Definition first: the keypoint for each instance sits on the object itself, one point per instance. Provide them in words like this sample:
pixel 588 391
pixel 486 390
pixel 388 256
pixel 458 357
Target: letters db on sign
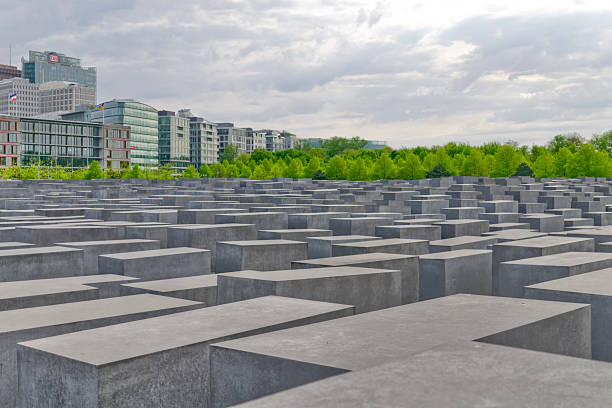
pixel 53 58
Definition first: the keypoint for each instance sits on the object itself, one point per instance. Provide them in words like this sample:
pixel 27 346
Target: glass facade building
pixel 50 66
pixel 143 122
pixel 173 140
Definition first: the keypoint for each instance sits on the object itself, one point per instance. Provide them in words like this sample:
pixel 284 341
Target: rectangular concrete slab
pixel 391 245
pixel 321 247
pixel 260 255
pixel 260 365
pixel 200 288
pixel 594 288
pixel 165 359
pixel 408 265
pixel 365 288
pixel 490 375
pixel 38 322
pixel 40 263
pixel 157 263
pixel 514 275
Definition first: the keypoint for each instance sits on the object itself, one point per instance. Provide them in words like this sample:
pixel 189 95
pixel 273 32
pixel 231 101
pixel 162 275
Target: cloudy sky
pixel 408 72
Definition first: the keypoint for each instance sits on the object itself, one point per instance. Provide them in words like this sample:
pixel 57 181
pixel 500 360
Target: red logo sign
pixel 53 58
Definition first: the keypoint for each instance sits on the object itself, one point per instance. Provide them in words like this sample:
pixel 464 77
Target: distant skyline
pixel 408 72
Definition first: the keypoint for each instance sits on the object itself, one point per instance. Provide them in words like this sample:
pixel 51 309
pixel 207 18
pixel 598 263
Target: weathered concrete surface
pixel 481 375
pixel 260 255
pixel 200 288
pixel 260 365
pixel 153 362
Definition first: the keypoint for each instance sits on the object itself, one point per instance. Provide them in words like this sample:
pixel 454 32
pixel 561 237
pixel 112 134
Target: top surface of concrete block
pixel 78 244
pixel 563 259
pixel 22 319
pixel 596 283
pixel 130 340
pixel 10 290
pixel 154 253
pixel 460 253
pixel 175 284
pixel 380 242
pixel 402 331
pixel 346 237
pixel 542 242
pixel 354 259
pixel 262 242
pixel 301 274
pixel 37 251
pixel 481 375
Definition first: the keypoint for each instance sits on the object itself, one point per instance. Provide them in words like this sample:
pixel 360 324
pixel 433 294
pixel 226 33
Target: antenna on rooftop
pixel 10 54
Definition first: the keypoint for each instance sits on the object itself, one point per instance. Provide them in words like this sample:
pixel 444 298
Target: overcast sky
pixel 408 72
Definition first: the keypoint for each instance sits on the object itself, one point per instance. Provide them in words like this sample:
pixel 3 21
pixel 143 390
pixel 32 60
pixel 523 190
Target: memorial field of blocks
pixel 451 292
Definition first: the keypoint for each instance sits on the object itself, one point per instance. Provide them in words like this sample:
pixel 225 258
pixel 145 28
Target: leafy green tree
pixel 523 169
pixel 276 171
pixel 544 166
pixel 94 171
pixel 474 164
pixel 507 159
pixel 134 172
pixel 230 153
pixel 603 142
pixel 589 162
pixel 410 168
pixel 357 170
pixel 295 169
pixel 319 175
pixel 245 172
pixel 190 172
pixel 562 161
pixel 260 155
pixel 313 166
pixel 336 168
pixel 260 173
pixel 384 168
pixel 437 172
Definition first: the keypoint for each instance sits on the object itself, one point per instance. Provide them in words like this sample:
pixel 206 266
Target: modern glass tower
pixel 52 66
pixel 141 118
pixel 173 140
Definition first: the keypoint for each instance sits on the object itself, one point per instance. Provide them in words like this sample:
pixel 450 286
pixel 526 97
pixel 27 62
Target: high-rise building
pixel 69 144
pixel 229 134
pixel 19 97
pixel 9 71
pixel 203 140
pixel 141 118
pixel 256 140
pixel 62 96
pixel 9 141
pixel 52 66
pixel 174 137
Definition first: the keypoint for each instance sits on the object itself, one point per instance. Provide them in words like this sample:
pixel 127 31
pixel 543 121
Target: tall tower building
pixel 19 97
pixel 173 140
pixel 51 66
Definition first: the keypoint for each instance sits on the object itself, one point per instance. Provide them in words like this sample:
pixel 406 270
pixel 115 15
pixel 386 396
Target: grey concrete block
pixel 529 378
pixel 207 236
pixel 293 234
pixel 49 234
pixel 514 275
pixel 459 228
pixel 91 250
pixel 260 255
pixel 164 358
pixel 38 322
pixel 408 265
pixel 157 263
pixel 40 263
pixel 461 271
pixel 357 226
pixel 464 242
pixel 260 365
pixel 314 220
pixel 199 288
pixel 426 232
pixel 262 220
pixel 592 288
pixel 391 246
pixel 321 247
pixel 367 289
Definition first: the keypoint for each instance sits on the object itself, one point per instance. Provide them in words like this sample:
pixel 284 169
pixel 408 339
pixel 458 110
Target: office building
pixel 9 141
pixel 256 140
pixel 288 140
pixel 174 140
pixel 203 139
pixel 9 71
pixel 229 134
pixel 19 97
pixel 25 141
pixel 50 66
pixel 62 96
pixel 142 120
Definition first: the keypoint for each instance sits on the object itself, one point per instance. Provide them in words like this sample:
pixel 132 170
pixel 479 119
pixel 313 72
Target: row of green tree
pixel 567 155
